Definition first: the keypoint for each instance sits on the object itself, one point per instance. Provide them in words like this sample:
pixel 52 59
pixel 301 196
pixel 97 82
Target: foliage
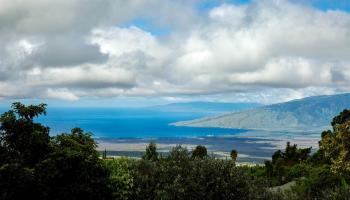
pixel 17 182
pixel 234 155
pixel 199 152
pixel 299 170
pixel 339 193
pixel 319 179
pixel 73 170
pixel 35 166
pixel 121 179
pixel 179 154
pixel 342 118
pixel 21 139
pixel 321 175
pixel 336 146
pixel 292 155
pixel 285 166
pixel 151 152
pixel 180 177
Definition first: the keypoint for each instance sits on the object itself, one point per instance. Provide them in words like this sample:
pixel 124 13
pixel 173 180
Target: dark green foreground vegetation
pixel 34 165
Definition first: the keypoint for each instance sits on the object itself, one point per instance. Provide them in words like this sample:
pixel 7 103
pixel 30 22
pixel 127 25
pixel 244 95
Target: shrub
pixel 121 180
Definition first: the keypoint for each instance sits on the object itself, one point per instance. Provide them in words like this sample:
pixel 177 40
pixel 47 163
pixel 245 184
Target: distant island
pixel 307 114
pixel 206 107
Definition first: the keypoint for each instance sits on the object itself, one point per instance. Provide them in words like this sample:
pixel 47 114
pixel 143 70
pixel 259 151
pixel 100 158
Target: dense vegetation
pixel 34 165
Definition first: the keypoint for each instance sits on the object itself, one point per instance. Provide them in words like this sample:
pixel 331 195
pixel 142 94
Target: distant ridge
pixel 307 114
pixel 209 107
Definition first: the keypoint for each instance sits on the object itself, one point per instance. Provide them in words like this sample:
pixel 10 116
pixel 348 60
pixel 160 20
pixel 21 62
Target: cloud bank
pixel 262 51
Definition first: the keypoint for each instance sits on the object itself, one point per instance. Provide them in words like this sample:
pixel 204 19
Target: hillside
pixel 207 107
pixel 311 113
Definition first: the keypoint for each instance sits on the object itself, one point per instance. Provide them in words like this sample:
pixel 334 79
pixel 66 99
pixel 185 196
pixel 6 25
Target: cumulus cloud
pixel 61 94
pixel 73 49
pixel 83 77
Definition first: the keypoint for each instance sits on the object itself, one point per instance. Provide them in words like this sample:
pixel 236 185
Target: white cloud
pixel 72 49
pixel 82 77
pixel 63 94
pixel 289 73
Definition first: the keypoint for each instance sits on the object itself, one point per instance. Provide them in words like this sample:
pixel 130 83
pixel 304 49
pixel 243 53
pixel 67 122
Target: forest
pixel 35 165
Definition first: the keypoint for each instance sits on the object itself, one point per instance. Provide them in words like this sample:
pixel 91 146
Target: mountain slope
pixel 312 113
pixel 208 107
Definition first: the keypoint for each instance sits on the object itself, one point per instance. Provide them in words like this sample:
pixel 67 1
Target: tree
pixel 121 179
pixel 234 155
pixel 151 152
pixel 18 182
pixel 104 154
pixel 335 145
pixel 179 153
pixel 23 144
pixel 36 166
pixel 291 155
pixel 343 117
pixel 199 152
pixel 21 138
pixel 278 154
pixel 180 177
pixel 74 170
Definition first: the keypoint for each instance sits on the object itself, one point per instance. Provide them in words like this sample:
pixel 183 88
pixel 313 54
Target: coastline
pixel 253 147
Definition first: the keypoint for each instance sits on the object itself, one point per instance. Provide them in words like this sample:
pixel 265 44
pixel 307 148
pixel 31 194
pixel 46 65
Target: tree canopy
pixel 199 152
pixel 335 145
pixel 34 165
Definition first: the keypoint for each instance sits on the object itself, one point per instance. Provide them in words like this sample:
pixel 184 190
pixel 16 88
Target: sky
pixel 129 53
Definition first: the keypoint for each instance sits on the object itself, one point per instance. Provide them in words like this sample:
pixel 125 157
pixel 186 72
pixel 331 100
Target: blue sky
pixel 343 5
pixel 132 53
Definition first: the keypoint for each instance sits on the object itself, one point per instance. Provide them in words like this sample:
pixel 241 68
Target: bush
pixel 298 171
pixel 121 180
pixel 179 177
pixel 342 193
pixel 17 182
pixel 319 180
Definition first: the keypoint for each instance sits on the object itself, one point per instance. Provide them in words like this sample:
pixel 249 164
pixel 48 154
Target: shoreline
pixel 252 146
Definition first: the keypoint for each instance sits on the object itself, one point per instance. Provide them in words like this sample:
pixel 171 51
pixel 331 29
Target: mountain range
pixel 307 114
pixel 206 107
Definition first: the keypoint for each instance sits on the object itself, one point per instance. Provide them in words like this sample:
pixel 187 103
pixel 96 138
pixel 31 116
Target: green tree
pixel 178 176
pixel 74 170
pixel 22 140
pixel 343 117
pixel 199 152
pixel 151 152
pixel 18 182
pixel 179 153
pixel 335 145
pixel 121 180
pixel 234 155
pixel 35 166
pixel 23 144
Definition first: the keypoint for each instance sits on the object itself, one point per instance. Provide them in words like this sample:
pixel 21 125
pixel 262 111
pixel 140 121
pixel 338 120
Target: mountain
pixel 206 107
pixel 311 113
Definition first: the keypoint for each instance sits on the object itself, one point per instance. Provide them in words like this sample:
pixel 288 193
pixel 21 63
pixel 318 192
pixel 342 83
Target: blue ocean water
pixel 127 123
pixel 139 126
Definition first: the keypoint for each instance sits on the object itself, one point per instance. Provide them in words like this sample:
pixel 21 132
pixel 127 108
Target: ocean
pixel 127 123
